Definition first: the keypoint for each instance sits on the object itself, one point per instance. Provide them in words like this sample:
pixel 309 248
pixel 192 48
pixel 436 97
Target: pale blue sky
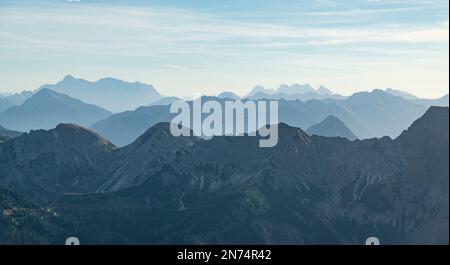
pixel 207 46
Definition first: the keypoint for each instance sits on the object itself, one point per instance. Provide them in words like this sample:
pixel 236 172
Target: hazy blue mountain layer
pixel 367 115
pixel 293 92
pixel 46 108
pixel 19 98
pixel 109 93
pixel 331 127
pixel 5 104
pixel 442 101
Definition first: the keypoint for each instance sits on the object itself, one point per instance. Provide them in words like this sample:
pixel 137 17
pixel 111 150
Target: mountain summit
pixel 331 126
pixel 47 108
pixel 295 89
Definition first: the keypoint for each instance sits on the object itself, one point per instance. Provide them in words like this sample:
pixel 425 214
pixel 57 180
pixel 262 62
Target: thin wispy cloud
pixel 184 37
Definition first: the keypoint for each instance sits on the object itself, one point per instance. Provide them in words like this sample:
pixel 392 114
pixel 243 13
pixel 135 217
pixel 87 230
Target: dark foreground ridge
pixel 226 190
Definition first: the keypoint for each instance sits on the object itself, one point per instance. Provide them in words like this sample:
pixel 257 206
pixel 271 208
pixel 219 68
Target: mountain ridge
pixel 44 163
pixel 317 190
pixel 305 190
pixel 388 116
pixel 109 93
pixel 47 108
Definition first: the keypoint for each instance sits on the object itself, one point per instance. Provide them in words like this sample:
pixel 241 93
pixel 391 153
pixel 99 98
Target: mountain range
pixel 388 116
pixel 292 92
pixel 47 108
pixel 226 190
pixel 301 106
pixel 389 111
pixel 109 93
pixel 123 178
pixel 10 100
pixel 124 128
pixel 307 92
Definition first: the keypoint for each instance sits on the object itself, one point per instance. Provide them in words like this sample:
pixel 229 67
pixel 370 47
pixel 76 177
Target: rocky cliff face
pixel 306 190
pixel 367 115
pixel 425 147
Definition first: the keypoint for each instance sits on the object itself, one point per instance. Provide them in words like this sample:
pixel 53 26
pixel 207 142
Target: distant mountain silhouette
pixel 442 101
pixel 19 98
pixel 324 91
pixel 366 114
pixel 331 127
pixel 46 109
pixel 24 223
pixel 123 128
pixel 293 92
pixel 228 95
pixel 302 97
pixel 260 89
pixel 401 93
pixel 381 113
pixel 276 96
pixel 295 89
pixel 112 94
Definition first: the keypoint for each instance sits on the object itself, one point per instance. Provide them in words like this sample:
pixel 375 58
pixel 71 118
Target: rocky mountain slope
pixel 185 190
pixel 42 164
pixel 306 190
pixel 8 133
